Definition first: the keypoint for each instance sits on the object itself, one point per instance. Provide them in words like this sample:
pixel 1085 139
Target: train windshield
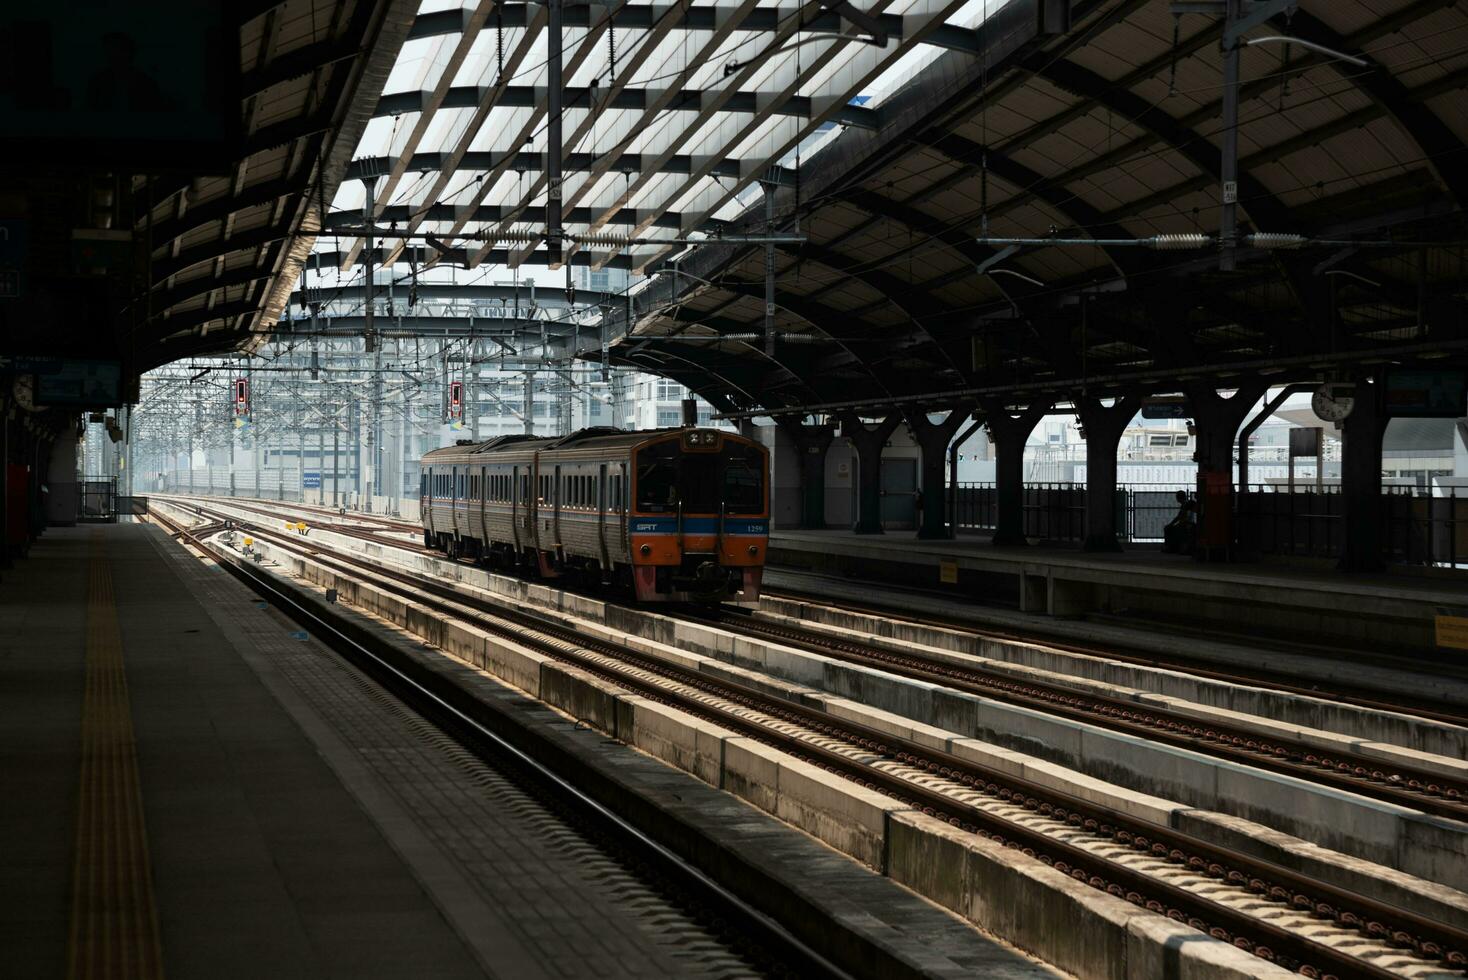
pixel 700 482
pixel 744 480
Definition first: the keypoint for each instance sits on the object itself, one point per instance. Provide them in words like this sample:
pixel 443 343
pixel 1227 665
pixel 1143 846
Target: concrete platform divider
pixel 1077 928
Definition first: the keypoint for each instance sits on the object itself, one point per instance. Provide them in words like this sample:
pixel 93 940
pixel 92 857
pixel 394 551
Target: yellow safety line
pixel 114 920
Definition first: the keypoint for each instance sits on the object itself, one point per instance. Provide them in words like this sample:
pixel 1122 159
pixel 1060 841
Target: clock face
pixel 1332 404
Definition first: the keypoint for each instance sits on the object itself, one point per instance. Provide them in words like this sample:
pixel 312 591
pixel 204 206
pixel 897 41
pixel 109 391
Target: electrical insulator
pixel 1177 243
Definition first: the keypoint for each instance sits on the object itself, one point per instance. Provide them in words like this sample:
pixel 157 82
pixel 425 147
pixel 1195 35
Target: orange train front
pixel 674 515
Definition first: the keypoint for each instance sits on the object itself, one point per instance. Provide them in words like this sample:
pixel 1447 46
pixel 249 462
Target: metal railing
pixel 96 501
pixel 1420 525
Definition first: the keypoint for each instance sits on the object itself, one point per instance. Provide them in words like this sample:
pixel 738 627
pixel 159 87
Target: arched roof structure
pixel 1100 125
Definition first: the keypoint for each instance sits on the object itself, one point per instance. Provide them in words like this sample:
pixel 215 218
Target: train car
pixel 675 515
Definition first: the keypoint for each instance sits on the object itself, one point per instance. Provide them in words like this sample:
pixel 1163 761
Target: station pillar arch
pixel 868 443
pixel 1216 420
pixel 1010 429
pixel 1103 425
pixel 933 439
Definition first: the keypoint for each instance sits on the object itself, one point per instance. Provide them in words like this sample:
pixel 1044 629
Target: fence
pixel 1416 528
pixel 1419 526
pixel 96 501
pixel 1057 511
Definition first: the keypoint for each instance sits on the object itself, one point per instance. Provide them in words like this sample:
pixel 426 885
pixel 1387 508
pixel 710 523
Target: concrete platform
pixel 1393 612
pixel 194 789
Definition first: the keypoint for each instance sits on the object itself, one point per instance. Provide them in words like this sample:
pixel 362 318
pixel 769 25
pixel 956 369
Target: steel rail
pixel 1405 786
pixel 1378 921
pixel 1274 680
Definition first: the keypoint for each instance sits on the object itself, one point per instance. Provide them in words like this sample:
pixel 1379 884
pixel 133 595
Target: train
pixel 672 515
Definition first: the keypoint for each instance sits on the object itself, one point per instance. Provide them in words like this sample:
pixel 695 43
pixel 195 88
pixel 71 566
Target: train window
pixel 657 479
pixel 744 480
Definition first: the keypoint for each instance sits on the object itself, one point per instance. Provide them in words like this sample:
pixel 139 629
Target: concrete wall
pixel 61 480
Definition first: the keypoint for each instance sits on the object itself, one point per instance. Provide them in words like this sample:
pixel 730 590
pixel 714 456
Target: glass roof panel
pixel 724 101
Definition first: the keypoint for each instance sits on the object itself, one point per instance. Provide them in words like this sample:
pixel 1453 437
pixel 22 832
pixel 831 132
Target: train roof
pixel 596 437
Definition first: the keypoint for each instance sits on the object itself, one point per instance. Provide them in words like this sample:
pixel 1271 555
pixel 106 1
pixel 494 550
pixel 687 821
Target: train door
pixel 624 494
pixel 454 498
pixel 601 520
pixel 483 495
pixel 539 506
pixel 517 506
pixel 556 541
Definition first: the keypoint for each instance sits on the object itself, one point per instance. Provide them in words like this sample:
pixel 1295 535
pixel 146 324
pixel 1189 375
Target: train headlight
pixel 646 550
pixel 753 550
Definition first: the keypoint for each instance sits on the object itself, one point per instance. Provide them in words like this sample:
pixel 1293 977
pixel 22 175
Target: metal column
pixel 369 213
pixel 554 94
pixel 770 269
pixel 530 403
pixel 1228 232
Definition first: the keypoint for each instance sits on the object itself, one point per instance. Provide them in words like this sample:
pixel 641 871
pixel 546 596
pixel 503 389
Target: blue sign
pixel 311 481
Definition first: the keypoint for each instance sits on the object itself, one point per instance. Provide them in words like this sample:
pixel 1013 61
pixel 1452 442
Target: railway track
pixel 1288 918
pixel 366 529
pixel 1271 680
pixel 1428 792
pixel 1421 790
pixel 758 939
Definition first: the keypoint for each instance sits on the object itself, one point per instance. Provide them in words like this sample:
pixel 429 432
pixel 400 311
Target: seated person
pixel 1177 536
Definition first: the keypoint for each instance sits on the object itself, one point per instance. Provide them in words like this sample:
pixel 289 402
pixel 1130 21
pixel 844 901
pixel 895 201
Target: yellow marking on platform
pixel 114 919
pixel 1452 631
pixel 948 572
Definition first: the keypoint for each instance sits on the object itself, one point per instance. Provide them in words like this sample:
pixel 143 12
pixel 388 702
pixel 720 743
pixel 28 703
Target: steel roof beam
pixel 626 99
pixel 732 19
pixel 637 16
pixel 1202 116
pixel 823 318
pixel 218 247
pixel 1304 141
pixel 429 101
pixel 451 161
pixel 1266 210
pixel 481 160
pixel 707 350
pixel 459 256
pixel 1074 209
pixel 487 213
pixel 866 64
pixel 546 298
pixel 1442 149
pixel 487 181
